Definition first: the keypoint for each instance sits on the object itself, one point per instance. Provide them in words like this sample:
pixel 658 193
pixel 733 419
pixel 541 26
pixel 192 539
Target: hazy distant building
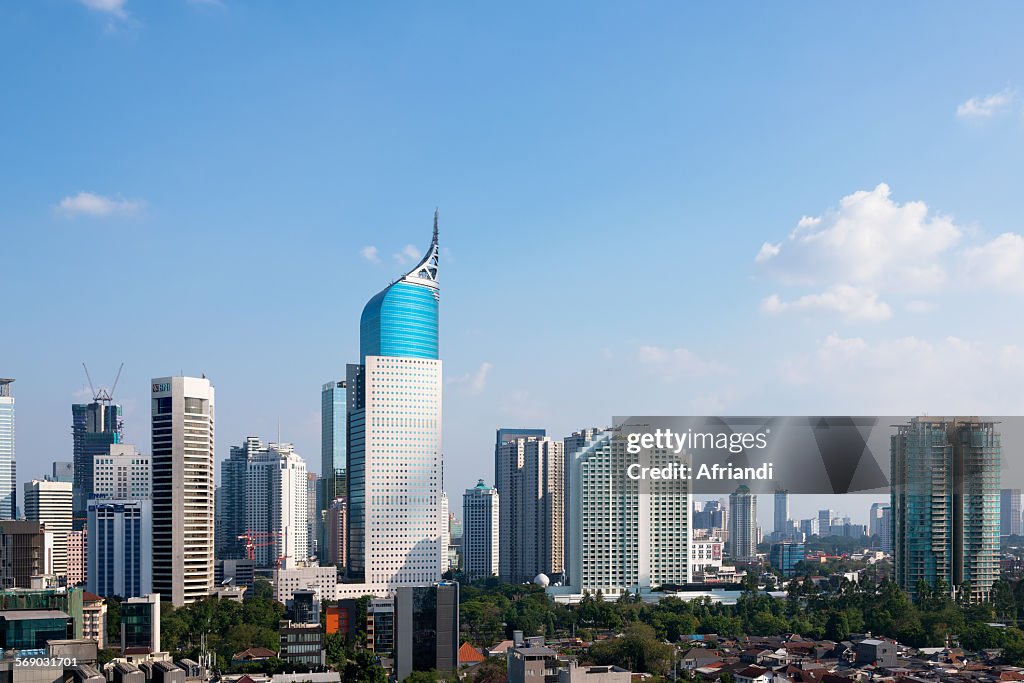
pixel 809 527
pixel 183 488
pixel 742 524
pixel 480 529
pixel 530 487
pixel 63 471
pixel 49 503
pixel 781 501
pixel 8 464
pixel 1009 512
pixel 825 518
pixel 945 503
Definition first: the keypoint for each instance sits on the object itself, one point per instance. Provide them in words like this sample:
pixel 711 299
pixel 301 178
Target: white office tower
pixel 276 504
pixel 183 488
pixel 885 529
pixel 49 503
pixel 123 473
pixel 446 533
pixel 480 514
pixel 8 464
pixel 626 535
pixel 576 441
pixel 743 529
pixel 394 434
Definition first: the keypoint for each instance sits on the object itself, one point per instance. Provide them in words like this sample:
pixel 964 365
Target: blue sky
pixel 665 209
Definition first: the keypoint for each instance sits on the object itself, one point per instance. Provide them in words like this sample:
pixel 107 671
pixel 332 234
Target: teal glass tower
pixel 945 504
pixel 394 435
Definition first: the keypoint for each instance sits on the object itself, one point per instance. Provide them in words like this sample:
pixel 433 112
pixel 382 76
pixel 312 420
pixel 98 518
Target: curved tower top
pixel 402 320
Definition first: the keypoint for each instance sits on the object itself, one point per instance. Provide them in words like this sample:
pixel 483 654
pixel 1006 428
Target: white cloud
pixel 370 253
pixel 998 264
pixel 852 303
pixel 474 382
pixel 985 107
pixel 867 240
pixel 523 407
pixel 678 362
pixel 114 8
pixel 409 255
pixel 91 204
pixel 909 375
pixel 768 250
pixel 919 306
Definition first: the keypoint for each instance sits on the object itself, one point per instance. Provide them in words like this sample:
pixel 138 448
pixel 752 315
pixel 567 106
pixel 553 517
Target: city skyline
pixel 645 154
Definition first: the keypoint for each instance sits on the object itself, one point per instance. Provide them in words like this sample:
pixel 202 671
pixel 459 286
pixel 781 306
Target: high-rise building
pixel 8 464
pixel 394 435
pixel 77 558
pixel 120 547
pixel 183 488
pixel 63 471
pixel 313 491
pixel 885 529
pixel 1009 512
pixel 782 525
pixel 625 535
pixel 333 441
pixel 530 487
pixel 276 506
pixel 123 472
pixel 742 524
pixel 809 527
pixel 825 519
pixel 49 503
pixel 23 553
pixel 231 500
pixel 575 442
pixel 94 428
pixel 480 514
pixel 446 536
pixel 945 503
pixel 337 526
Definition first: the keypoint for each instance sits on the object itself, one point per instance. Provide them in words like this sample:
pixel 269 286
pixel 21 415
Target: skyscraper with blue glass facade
pixel 945 503
pixel 394 435
pixel 333 441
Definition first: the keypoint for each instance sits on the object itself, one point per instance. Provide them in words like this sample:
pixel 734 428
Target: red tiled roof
pixel 469 654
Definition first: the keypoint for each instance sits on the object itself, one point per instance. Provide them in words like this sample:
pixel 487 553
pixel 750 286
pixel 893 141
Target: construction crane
pixel 260 539
pixel 103 395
